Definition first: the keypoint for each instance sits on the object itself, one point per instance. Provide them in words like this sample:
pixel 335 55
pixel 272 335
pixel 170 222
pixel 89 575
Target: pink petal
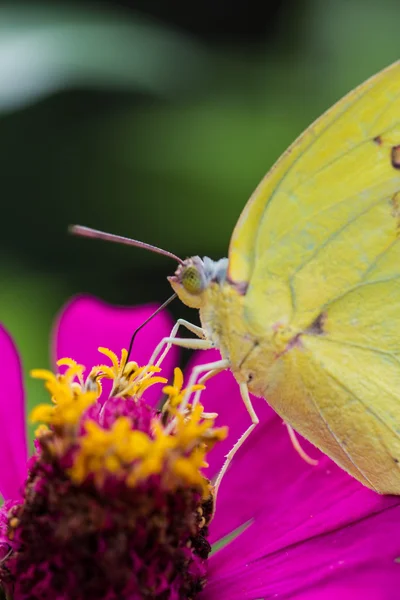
pixel 351 563
pixel 292 507
pixel 12 420
pixel 86 323
pixel 268 477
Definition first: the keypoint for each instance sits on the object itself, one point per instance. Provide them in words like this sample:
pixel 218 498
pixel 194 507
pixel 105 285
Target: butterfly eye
pixel 192 280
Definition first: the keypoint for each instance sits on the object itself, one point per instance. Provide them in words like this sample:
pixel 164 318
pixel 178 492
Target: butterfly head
pixel 194 276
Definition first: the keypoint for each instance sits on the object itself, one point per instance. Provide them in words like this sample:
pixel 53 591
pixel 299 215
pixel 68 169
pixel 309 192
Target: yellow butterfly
pixel 306 309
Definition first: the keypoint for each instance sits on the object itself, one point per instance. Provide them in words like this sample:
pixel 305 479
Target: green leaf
pixel 230 537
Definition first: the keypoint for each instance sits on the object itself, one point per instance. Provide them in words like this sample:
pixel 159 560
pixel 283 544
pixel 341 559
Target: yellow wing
pixel 318 248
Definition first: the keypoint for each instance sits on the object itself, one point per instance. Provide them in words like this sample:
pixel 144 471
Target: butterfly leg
pixel 202 380
pixel 180 323
pixel 244 392
pixel 297 446
pixel 217 366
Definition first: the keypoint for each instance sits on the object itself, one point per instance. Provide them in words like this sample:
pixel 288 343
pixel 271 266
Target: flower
pixel 114 504
pixel 282 528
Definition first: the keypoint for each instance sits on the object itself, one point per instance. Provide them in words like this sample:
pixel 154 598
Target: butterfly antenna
pixel 88 232
pixel 159 309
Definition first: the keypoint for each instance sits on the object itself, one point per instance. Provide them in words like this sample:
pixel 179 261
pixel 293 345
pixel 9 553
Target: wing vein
pixel 378 258
pixel 333 435
pixel 362 347
pixel 340 156
pixel 356 287
pixel 335 235
pixel 365 406
pixel 314 139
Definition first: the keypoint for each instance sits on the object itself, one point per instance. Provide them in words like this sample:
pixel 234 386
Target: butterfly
pixel 305 311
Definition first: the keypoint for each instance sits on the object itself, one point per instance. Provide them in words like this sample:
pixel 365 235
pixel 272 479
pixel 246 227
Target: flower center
pixel 115 505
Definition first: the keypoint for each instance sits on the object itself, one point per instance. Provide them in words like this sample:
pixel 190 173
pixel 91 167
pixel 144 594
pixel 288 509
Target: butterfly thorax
pixel 203 284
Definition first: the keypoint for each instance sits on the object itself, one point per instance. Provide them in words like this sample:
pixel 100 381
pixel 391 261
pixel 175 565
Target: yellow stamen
pixel 43 374
pixel 175 392
pixel 149 382
pixel 66 412
pixel 174 449
pixel 105 371
pixel 42 412
pixel 68 362
pixel 111 355
pixel 41 430
pixel 178 379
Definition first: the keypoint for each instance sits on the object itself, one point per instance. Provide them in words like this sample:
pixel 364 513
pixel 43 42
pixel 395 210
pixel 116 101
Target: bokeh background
pixel 154 120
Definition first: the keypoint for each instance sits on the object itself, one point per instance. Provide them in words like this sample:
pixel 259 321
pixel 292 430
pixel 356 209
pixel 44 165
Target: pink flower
pixel 287 529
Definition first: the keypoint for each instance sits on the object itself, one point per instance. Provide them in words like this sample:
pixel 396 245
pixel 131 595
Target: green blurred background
pixel 154 120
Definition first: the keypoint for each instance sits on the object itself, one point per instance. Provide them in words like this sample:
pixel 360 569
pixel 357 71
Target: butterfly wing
pixel 318 250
